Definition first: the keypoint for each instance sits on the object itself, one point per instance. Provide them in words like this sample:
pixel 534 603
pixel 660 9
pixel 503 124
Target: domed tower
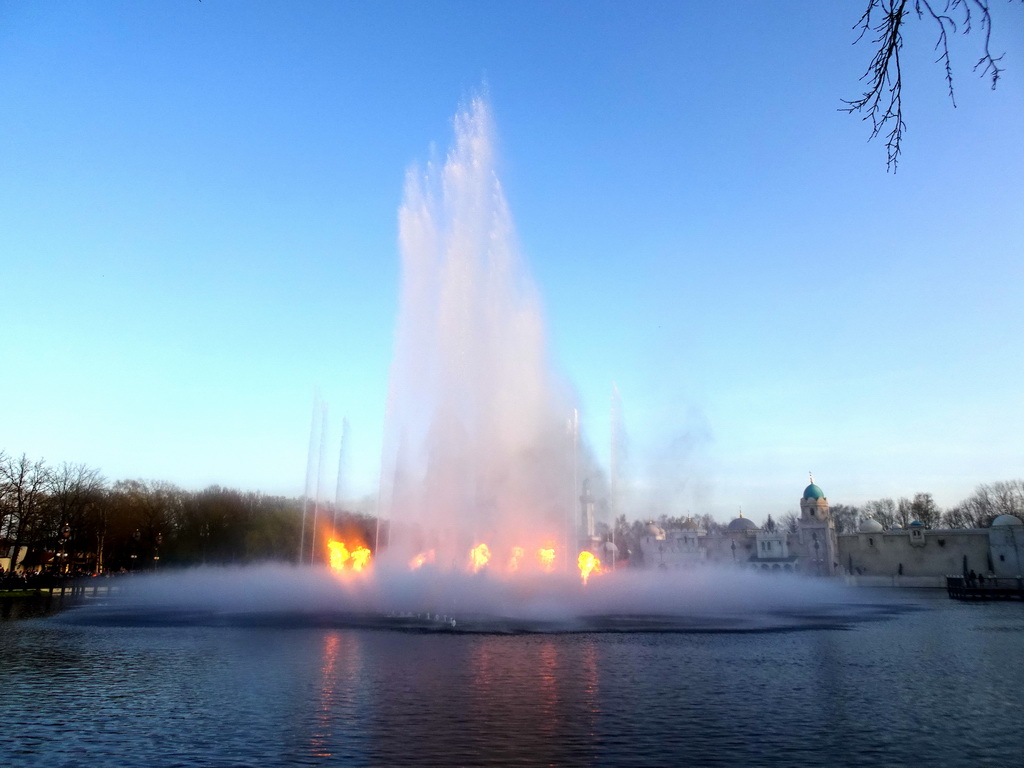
pixel 814 505
pixel 817 533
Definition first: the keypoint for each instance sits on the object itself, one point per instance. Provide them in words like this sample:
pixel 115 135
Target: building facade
pixel 811 549
pixel 914 556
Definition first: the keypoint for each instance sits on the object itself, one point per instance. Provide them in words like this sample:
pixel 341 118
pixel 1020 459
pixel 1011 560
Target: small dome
pixel 1007 520
pixel 813 492
pixel 870 525
pixel 742 523
pixel 655 531
pixel 896 527
pixel 916 524
pixel 689 525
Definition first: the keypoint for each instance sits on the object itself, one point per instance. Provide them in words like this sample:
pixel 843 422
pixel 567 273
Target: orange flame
pixel 517 558
pixel 478 556
pixel 360 558
pixel 588 564
pixel 341 557
pixel 547 558
pixel 339 554
pixel 421 559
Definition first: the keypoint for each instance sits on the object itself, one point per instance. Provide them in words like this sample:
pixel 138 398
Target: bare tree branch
pixel 882 102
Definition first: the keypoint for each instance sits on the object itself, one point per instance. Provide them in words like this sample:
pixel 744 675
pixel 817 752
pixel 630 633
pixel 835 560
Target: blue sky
pixel 198 231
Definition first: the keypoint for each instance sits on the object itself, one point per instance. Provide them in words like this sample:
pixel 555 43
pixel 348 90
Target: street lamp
pixel 135 546
pixel 65 534
pixel 204 535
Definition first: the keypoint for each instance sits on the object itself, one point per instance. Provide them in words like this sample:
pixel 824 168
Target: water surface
pixel 940 682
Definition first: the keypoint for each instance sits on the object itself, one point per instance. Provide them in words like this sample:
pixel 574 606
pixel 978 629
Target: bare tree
pixel 961 516
pixel 707 523
pixel 924 509
pixel 845 517
pixel 883 21
pixel 904 511
pixel 883 510
pixel 139 515
pixel 790 522
pixel 4 491
pixel 23 495
pixel 988 501
pixel 75 495
pixel 1007 497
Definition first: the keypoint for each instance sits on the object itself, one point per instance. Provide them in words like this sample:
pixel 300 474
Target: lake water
pixel 926 680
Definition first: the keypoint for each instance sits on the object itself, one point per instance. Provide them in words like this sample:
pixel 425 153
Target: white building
pixel 812 549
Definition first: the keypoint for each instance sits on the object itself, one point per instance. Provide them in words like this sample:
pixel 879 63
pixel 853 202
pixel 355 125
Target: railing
pixel 985 587
pixel 56 584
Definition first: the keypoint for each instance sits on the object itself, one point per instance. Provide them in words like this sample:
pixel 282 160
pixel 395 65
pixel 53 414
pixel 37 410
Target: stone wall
pixel 934 553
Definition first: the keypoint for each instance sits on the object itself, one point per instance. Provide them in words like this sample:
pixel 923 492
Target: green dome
pixel 813 492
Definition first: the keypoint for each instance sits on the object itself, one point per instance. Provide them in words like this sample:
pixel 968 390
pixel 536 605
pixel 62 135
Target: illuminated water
pixel 939 684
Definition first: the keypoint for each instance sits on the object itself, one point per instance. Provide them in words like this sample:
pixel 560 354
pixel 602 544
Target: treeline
pixel 68 518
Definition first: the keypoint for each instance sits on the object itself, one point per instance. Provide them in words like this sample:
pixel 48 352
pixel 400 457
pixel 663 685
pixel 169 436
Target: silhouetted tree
pixel 904 511
pixel 23 484
pixel 883 22
pixel 75 495
pixel 845 517
pixel 274 528
pixel 141 518
pixel 790 522
pixel 707 523
pixel 924 509
pixel 961 516
pixel 882 510
pixel 988 501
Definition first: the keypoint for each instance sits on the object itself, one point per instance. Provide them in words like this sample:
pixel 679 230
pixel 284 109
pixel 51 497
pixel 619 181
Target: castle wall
pixel 935 553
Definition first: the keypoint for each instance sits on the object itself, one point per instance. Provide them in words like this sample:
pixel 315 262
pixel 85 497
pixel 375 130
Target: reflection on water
pixel 339 692
pixel 940 685
pixel 589 698
pixel 27 606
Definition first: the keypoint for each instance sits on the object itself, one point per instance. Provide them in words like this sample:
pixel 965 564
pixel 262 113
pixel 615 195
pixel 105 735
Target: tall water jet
pixel 477 444
pixel 339 488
